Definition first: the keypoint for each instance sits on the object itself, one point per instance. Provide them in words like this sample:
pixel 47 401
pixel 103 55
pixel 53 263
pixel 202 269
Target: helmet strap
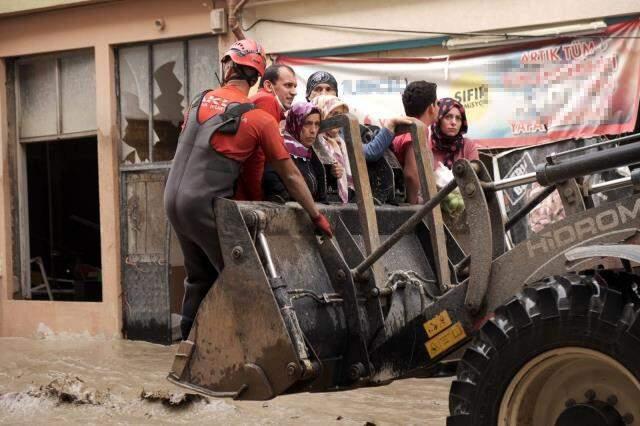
pixel 245 73
pixel 228 71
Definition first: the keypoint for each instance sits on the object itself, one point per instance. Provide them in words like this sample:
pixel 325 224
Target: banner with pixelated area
pixel 546 92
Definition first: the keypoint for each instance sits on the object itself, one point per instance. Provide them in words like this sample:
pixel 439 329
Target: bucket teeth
pixel 181 359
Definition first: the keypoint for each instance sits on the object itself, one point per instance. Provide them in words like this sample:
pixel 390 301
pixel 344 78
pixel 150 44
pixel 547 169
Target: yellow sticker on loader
pixel 445 340
pixel 438 323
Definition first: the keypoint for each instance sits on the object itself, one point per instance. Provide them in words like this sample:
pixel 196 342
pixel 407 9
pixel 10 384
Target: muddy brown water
pixel 108 376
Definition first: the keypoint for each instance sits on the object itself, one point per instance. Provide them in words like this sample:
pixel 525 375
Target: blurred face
pixel 322 89
pixel 284 87
pixel 336 111
pixel 310 129
pixel 451 122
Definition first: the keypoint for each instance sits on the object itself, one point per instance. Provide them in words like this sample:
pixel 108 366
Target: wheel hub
pixel 567 386
pixel 590 413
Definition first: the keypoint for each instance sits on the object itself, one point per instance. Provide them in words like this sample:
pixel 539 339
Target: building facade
pixel 92 98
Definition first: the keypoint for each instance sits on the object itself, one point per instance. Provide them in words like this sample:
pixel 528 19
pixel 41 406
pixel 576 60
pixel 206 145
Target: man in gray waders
pixel 222 129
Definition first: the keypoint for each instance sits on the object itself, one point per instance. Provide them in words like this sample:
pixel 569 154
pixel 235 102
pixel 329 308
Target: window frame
pixel 153 165
pixel 21 154
pixel 57 57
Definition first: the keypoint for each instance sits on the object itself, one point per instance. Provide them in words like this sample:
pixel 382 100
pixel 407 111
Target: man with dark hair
pixel 279 80
pixel 418 97
pixel 277 90
pixel 420 101
pixel 222 129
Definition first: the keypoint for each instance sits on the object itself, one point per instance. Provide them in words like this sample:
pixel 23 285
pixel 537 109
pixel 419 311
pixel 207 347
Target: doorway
pixel 64 220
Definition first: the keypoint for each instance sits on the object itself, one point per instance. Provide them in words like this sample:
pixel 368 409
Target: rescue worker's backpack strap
pixel 194 106
pixel 232 116
pixel 227 123
pixel 195 102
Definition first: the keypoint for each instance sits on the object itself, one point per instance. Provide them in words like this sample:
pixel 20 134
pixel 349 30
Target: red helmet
pixel 249 53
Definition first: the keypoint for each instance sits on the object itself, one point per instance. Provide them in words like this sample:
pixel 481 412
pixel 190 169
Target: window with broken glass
pixel 155 83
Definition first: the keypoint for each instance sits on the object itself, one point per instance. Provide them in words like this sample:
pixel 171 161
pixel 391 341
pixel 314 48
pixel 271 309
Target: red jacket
pixel 249 186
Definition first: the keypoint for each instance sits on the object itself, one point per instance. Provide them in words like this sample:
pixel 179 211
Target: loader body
pixel 294 312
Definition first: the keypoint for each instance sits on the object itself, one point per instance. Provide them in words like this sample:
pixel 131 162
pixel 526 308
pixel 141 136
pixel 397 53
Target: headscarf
pixel 334 143
pixel 293 127
pixel 327 103
pixel 321 77
pixel 442 142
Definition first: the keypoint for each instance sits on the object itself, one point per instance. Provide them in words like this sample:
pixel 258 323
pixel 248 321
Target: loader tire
pixel 565 351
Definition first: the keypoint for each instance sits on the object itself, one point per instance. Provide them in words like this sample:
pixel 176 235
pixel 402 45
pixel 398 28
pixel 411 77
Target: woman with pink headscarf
pixel 300 132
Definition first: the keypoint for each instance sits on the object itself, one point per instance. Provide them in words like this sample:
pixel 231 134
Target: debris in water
pixel 173 399
pixel 70 390
pixel 339 418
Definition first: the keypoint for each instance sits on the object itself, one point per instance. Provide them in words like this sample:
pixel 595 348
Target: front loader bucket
pixel 238 345
pixel 284 315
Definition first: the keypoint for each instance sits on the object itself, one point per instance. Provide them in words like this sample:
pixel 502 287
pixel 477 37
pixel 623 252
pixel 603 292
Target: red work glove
pixel 323 225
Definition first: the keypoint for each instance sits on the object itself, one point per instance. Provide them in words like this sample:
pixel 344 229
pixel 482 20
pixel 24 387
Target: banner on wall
pixel 585 87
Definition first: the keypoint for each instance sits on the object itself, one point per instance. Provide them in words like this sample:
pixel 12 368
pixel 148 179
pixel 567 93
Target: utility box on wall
pixel 218 21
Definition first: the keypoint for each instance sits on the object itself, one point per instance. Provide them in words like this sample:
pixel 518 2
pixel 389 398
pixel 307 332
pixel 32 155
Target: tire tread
pixel 557 299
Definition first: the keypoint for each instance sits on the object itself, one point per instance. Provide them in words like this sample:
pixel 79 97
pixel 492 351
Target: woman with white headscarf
pixel 333 142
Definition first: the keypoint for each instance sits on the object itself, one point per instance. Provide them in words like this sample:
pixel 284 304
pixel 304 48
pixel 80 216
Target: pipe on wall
pixel 234 7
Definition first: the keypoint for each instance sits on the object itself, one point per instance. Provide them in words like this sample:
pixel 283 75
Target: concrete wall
pixel 99 26
pixel 16 7
pixel 424 15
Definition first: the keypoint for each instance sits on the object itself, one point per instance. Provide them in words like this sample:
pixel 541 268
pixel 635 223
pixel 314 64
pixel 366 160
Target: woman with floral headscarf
pixel 300 132
pixel 334 144
pixel 447 140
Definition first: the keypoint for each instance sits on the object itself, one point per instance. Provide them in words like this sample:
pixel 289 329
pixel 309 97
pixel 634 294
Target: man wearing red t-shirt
pixel 420 101
pixel 207 164
pixel 275 96
pixel 278 88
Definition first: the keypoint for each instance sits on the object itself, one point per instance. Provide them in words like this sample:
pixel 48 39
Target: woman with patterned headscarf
pixel 448 143
pixel 300 132
pixel 334 144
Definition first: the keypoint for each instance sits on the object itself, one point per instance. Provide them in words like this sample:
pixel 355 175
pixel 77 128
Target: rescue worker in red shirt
pixel 221 131
pixel 277 90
